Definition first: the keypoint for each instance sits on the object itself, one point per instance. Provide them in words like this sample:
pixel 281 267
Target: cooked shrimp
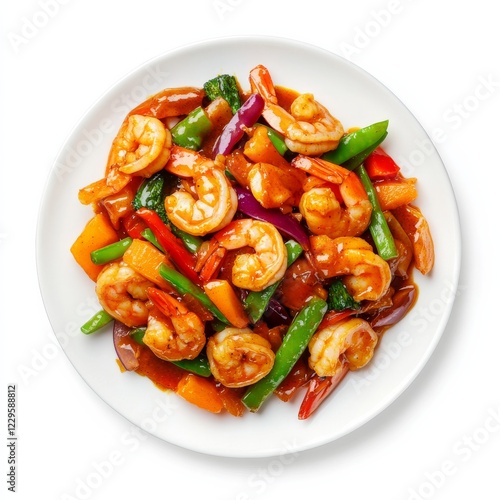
pixel 141 147
pixel 239 357
pixel 173 332
pixel 122 292
pixel 325 214
pixel 309 128
pixel 213 203
pixel 351 342
pixel 275 187
pixel 253 271
pixel 365 274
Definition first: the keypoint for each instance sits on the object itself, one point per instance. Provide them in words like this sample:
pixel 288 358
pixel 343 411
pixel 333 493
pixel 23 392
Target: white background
pixel 441 438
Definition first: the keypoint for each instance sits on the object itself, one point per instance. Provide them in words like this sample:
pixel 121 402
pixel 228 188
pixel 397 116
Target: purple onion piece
pixel 283 222
pixel 246 116
pixel 125 349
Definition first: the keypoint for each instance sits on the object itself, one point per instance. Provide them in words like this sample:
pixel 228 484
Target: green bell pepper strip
pixel 96 322
pixel 294 344
pixel 190 132
pixel 185 285
pixel 198 365
pixel 110 252
pixel 354 143
pixel 255 303
pixel 379 229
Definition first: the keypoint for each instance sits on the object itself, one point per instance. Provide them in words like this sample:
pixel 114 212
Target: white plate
pixel 357 99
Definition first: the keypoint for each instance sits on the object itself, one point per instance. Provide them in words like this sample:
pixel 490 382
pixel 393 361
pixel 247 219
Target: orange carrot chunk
pixel 222 294
pixel 97 233
pixel 200 392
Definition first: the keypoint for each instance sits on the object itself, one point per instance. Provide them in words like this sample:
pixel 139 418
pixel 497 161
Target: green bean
pixel 110 252
pixel 96 322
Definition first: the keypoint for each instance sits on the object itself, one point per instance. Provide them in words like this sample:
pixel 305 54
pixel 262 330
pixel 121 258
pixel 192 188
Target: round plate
pixel 357 99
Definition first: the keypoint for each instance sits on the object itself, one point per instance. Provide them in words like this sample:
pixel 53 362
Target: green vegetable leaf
pixel 150 195
pixel 224 86
pixel 339 298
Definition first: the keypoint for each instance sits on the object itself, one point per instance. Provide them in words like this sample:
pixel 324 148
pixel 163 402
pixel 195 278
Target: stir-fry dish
pixel 244 245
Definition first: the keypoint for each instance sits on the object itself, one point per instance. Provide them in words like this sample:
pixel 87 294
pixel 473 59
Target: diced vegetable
pixel 356 142
pixel 395 193
pixel 96 322
pixel 97 233
pixel 260 148
pixel 200 392
pixel 110 252
pixel 190 132
pixel 246 116
pixel 379 165
pixel 223 296
pixel 379 229
pixel 224 86
pixel 294 344
pixel 146 260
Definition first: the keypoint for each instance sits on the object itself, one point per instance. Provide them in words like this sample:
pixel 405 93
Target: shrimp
pixel 351 342
pixel 323 212
pixel 141 148
pixel 239 357
pixel 309 128
pixel 365 274
pixel 122 292
pixel 173 332
pixel 252 271
pixel 213 203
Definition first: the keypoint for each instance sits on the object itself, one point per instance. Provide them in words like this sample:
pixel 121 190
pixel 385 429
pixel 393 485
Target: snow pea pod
pixel 294 344
pixel 356 142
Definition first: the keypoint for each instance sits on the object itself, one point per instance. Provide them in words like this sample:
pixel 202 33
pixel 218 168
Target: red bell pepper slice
pixel 134 226
pixel 379 165
pixel 318 390
pixel 182 258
